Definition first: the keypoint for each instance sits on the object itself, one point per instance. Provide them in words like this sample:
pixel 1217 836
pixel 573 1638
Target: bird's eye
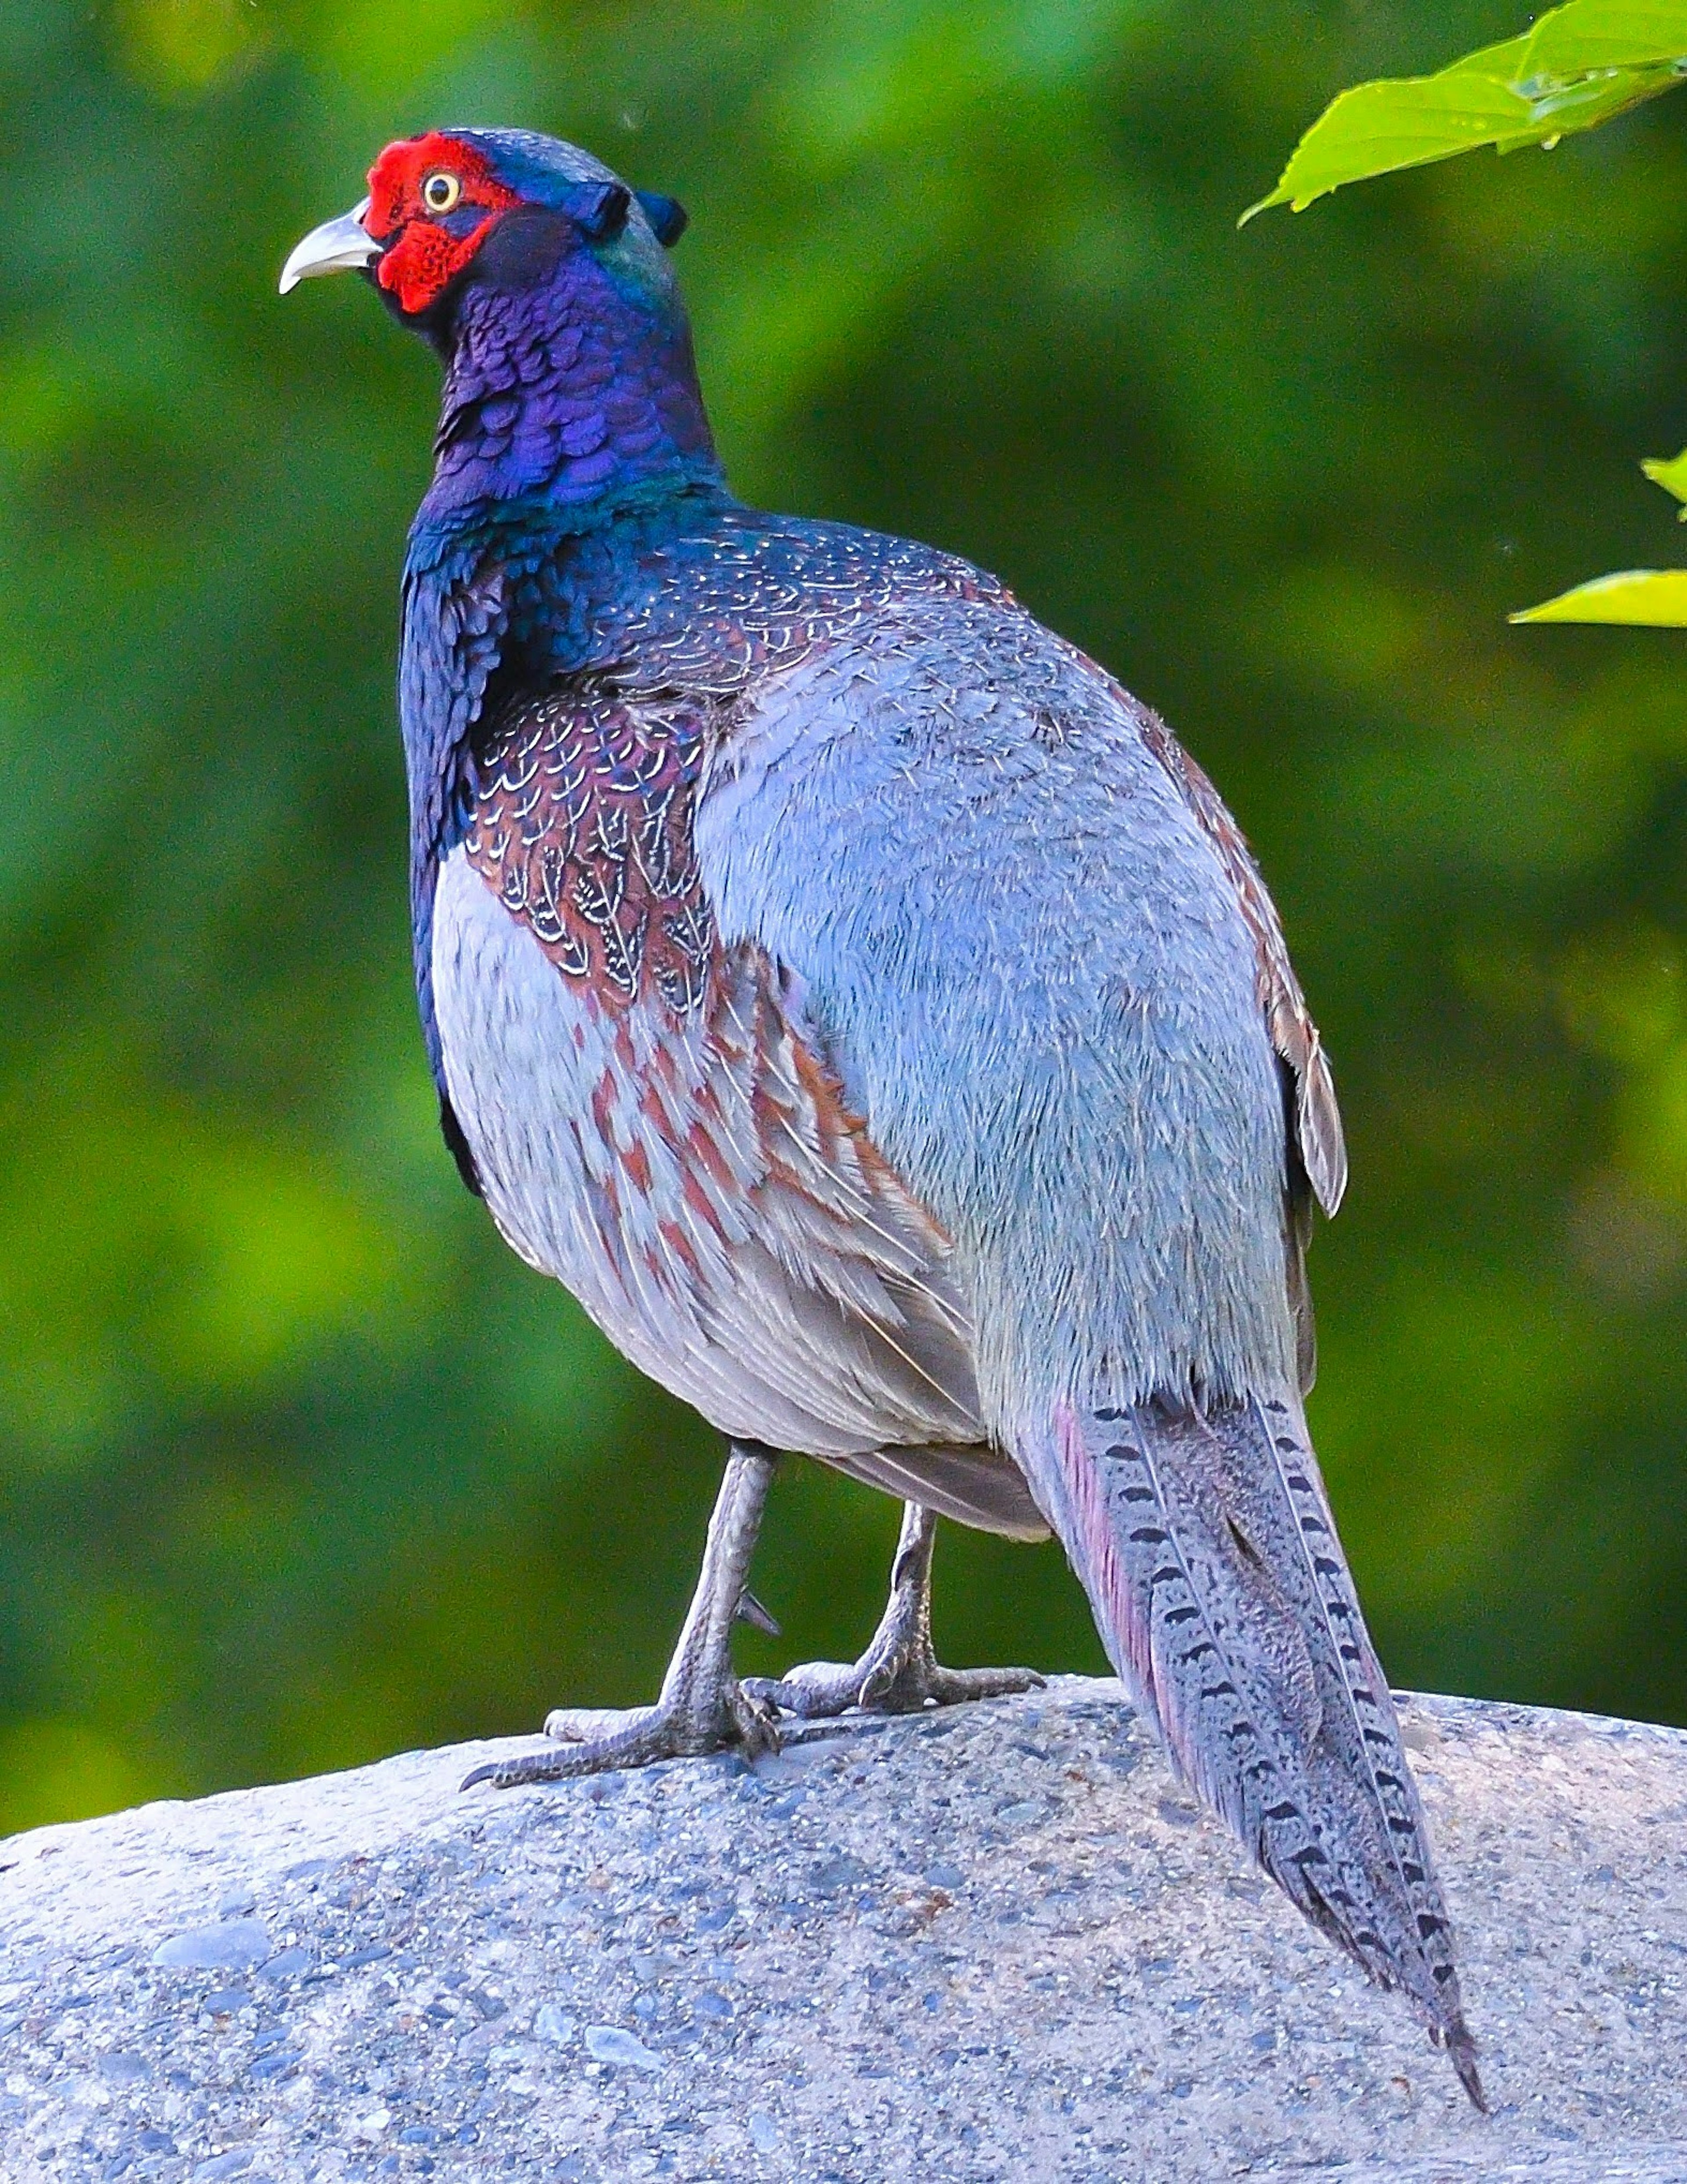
pixel 441 192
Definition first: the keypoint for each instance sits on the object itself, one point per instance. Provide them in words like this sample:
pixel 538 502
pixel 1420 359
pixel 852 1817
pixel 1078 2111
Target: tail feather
pixel 1207 1546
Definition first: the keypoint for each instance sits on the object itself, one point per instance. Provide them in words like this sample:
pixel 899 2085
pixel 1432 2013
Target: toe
pixel 814 1691
pixel 590 1724
pixel 953 1686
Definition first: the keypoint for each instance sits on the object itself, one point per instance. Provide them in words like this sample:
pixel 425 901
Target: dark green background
pixel 298 1465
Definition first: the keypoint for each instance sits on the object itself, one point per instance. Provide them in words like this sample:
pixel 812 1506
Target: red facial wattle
pixel 424 254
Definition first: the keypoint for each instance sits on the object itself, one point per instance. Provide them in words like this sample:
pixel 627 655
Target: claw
pixel 751 1611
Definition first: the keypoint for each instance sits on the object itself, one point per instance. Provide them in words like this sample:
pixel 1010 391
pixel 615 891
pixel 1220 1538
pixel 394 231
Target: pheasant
pixel 868 1010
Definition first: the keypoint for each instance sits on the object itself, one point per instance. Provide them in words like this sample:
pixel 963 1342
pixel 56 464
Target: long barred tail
pixel 1212 1562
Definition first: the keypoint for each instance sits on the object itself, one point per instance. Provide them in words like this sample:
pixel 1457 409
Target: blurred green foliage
pixel 299 1464
pixel 1579 65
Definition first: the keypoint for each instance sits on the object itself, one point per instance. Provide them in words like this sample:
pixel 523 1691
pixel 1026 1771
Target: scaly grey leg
pixel 703 1707
pixel 900 1673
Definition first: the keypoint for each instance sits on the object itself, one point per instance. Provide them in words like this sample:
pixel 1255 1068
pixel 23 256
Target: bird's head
pixel 542 281
pixel 459 208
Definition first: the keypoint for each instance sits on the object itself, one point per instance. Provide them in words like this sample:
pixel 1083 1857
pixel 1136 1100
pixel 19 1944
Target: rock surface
pixel 990 1943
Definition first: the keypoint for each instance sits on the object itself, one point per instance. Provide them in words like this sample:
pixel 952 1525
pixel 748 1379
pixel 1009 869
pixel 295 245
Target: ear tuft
pixel 598 210
pixel 667 216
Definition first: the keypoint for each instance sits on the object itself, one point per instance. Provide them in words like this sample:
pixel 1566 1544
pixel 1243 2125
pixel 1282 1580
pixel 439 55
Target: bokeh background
pixel 297 1464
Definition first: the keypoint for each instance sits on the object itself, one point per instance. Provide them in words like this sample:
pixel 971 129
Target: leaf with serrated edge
pixel 1377 128
pixel 1640 598
pixel 1410 121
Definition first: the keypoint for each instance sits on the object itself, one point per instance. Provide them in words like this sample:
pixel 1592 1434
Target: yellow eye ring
pixel 441 192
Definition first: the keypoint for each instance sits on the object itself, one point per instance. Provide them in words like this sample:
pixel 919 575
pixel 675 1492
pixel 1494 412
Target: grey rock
pixel 612 2043
pixel 285 1963
pixel 233 1945
pixel 120 2069
pixel 902 1976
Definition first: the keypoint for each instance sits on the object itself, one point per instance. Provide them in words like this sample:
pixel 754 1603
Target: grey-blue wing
pixel 1053 985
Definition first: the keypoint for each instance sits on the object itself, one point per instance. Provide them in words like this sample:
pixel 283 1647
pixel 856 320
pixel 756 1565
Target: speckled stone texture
pixel 992 1943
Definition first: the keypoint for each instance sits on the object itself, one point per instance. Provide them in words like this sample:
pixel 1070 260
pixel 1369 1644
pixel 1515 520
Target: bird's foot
pixel 892 1676
pixel 683 1725
pixel 900 1673
pixel 703 1707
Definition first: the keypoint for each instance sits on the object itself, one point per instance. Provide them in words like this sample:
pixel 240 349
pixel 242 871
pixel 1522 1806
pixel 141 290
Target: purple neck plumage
pixel 571 393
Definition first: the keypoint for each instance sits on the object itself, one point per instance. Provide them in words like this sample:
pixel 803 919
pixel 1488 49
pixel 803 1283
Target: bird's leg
pixel 900 1673
pixel 703 1707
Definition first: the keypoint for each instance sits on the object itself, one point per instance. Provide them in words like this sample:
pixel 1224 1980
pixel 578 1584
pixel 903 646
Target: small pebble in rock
pixel 710 2004
pixel 286 1965
pixel 121 2069
pixel 833 1874
pixel 234 1945
pixel 764 2132
pixel 224 2001
pixel 944 1876
pixel 236 1904
pixel 611 2043
pixel 237 2159
pixel 552 2023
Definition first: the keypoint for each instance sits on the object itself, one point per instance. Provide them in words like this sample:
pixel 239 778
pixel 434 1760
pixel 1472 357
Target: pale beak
pixel 338 246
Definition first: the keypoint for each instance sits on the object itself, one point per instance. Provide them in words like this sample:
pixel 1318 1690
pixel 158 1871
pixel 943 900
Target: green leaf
pixel 1582 65
pixel 1671 476
pixel 1645 599
pixel 1379 128
pixel 1588 35
pixel 1562 109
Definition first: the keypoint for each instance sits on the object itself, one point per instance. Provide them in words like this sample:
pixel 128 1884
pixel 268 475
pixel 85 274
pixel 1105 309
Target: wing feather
pixel 1315 1117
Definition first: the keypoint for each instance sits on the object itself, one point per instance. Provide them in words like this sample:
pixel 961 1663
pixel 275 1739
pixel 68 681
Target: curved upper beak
pixel 338 246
